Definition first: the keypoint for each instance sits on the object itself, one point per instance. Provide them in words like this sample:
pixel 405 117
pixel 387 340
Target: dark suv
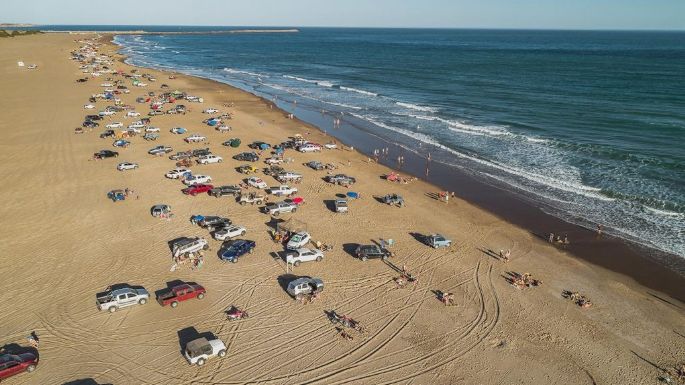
pixel 223 191
pixel 247 157
pixel 365 252
pixel 213 222
pixel 105 154
pixel 201 152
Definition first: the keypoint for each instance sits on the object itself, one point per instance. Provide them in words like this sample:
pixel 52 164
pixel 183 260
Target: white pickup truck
pixel 124 296
pixel 283 190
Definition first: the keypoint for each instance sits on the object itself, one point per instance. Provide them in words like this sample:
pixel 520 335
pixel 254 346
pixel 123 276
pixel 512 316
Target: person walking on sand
pixel 507 255
pixel 551 237
pixel 600 228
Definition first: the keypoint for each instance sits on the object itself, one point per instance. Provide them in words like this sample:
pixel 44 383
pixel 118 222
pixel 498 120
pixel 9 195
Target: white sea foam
pixel 358 91
pixel 235 71
pixel 664 212
pixel 416 107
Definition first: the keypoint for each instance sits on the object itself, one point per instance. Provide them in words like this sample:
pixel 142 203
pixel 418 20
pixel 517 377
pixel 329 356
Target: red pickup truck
pixel 180 293
pixel 197 189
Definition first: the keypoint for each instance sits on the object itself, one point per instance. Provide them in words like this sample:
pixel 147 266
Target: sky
pixel 525 14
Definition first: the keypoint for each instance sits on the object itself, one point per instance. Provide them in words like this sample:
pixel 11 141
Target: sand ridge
pixel 63 241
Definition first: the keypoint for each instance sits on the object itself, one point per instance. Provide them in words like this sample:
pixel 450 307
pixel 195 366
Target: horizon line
pixel 369 27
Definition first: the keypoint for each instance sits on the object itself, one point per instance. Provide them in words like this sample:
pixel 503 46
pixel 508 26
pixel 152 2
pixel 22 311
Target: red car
pixel 13 364
pixel 197 189
pixel 180 293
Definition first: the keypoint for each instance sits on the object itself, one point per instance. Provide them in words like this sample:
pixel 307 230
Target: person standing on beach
pixel 551 237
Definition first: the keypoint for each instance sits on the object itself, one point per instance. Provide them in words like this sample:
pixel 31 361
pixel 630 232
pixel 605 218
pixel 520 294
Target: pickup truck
pixel 366 252
pixel 251 198
pixel 341 179
pixel 222 191
pixel 288 176
pixel 393 200
pixel 283 190
pixel 125 296
pixel 180 293
pixel 277 208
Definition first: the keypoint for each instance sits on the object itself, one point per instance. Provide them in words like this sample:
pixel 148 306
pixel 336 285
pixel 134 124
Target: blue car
pixel 237 249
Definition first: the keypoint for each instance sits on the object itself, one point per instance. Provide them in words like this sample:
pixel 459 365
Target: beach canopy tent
pixel 292 225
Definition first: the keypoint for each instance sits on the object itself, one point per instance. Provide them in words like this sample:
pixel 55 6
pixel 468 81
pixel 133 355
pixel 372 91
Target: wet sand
pixel 65 241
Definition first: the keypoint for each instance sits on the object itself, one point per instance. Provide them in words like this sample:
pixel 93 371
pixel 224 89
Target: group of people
pixel 579 299
pixel 523 281
pixel 558 239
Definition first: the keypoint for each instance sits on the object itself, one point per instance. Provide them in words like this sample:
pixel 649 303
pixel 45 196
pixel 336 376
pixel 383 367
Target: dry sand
pixel 62 241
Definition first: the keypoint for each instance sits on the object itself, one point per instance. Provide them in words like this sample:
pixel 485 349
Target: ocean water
pixel 588 125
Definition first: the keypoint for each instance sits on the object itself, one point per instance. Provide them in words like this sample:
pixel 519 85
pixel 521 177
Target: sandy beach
pixel 64 241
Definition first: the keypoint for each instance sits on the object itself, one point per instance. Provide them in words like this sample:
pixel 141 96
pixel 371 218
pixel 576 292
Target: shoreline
pixel 652 268
pixel 142 32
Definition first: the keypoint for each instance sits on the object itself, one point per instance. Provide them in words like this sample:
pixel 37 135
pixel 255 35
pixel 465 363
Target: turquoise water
pixel 588 125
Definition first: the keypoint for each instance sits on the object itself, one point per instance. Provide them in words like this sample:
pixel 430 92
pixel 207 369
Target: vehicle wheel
pixel 242 233
pixel 276 214
pixel 251 251
pixel 243 203
pixel 193 193
pixel 174 304
pixel 222 353
pixel 200 361
pixel 112 309
pixel 220 160
pixel 31 368
pixel 364 259
pixel 205 247
pixel 259 202
pixel 319 259
pixel 142 301
pixel 234 260
pixel 385 257
pixel 294 210
pixel 296 264
pixel 201 295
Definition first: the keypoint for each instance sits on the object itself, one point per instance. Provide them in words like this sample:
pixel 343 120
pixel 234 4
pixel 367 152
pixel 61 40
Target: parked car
pixel 274 160
pixel 150 136
pixel 132 114
pixel 93 117
pixel 288 176
pixel 180 293
pixel 246 157
pixel 198 152
pixel 341 206
pixel 115 125
pixel 223 191
pixel 229 232
pixel 197 179
pixel 341 179
pixel 152 129
pixel 251 198
pixel 256 182
pixel 13 364
pixel 105 154
pixel 207 159
pixel 316 165
pixel 178 173
pixel 304 285
pixel 283 190
pixel 127 166
pixel 437 240
pixel 214 221
pixel 197 189
pixel 107 134
pixel 121 297
pixel 178 130
pixel 365 252
pixel 106 113
pixel 210 111
pixel 276 208
pixel 393 199
pixel 121 143
pixel 309 147
pixel 236 249
pixel 186 245
pixel 195 138
pixel 198 351
pixel 159 150
pixel 181 155
pixel 160 210
pixel 247 169
pixel 297 256
pixel 90 124
pixel 298 240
